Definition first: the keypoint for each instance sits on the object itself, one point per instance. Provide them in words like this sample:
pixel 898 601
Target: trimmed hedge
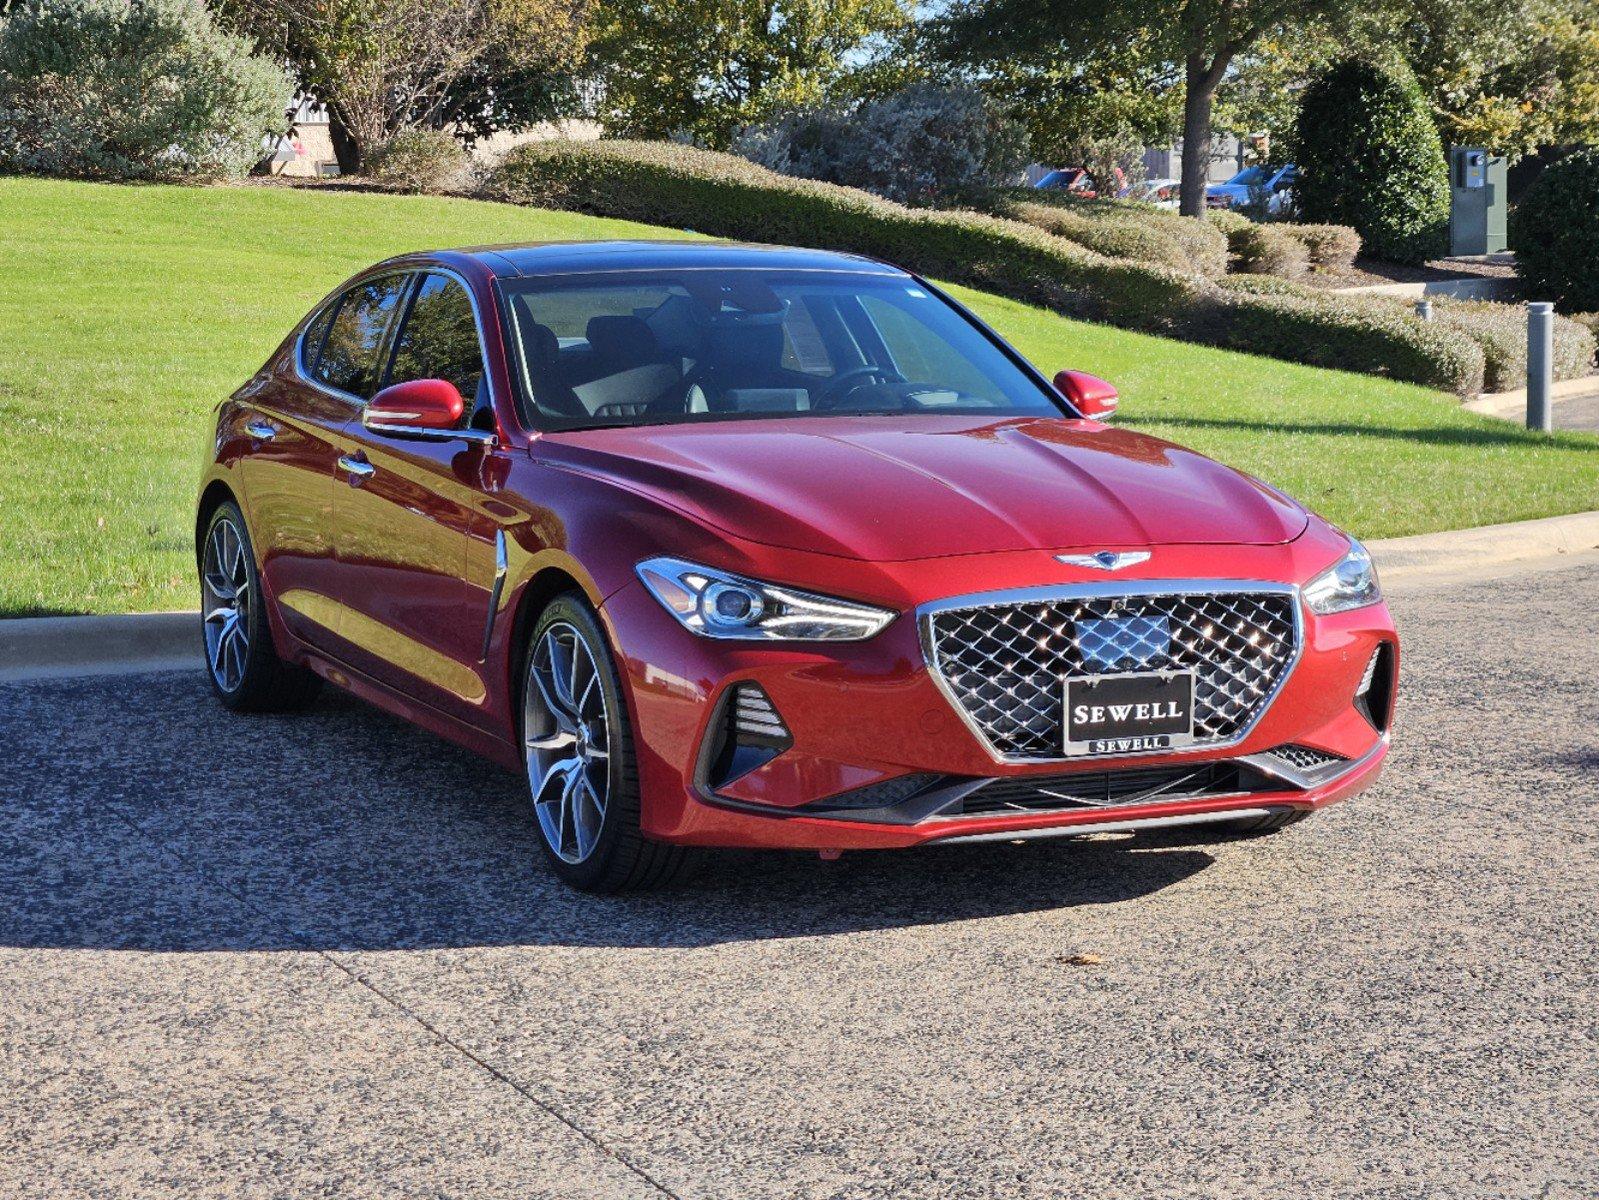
pixel 1501 331
pixel 1369 157
pixel 1331 247
pixel 664 183
pixel 1270 250
pixel 1281 319
pixel 1555 232
pixel 723 195
pixel 1112 239
pixel 1204 249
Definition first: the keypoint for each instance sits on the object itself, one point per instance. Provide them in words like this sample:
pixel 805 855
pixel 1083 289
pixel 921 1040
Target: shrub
pixel 1115 239
pixel 1556 233
pixel 1270 250
pixel 720 194
pixel 420 160
pixel 1203 250
pixel 1369 157
pixel 132 89
pixel 1331 247
pixel 1501 331
pixel 668 184
pixel 1351 333
pixel 921 146
pixel 1588 320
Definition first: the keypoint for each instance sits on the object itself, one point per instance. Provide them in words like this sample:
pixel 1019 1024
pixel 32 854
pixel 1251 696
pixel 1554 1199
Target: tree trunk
pixel 1199 97
pixel 345 147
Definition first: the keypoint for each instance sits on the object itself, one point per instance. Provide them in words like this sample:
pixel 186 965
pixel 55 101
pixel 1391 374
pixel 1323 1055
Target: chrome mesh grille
pixel 1006 663
pixel 1305 758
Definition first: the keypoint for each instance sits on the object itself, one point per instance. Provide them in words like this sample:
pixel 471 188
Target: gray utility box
pixel 1478 202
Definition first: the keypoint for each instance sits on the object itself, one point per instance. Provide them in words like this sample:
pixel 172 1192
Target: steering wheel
pixel 846 382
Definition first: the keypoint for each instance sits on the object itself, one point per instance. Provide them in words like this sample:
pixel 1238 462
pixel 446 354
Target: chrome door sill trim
pixel 1226 814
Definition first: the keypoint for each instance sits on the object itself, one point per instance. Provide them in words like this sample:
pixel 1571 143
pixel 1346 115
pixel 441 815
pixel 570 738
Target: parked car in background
pixel 1275 184
pixel 746 546
pixel 1078 182
pixel 1162 193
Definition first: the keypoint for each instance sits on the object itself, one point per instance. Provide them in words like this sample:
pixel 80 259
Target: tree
pixel 382 66
pixel 701 69
pixel 1369 157
pixel 132 89
pixel 1199 39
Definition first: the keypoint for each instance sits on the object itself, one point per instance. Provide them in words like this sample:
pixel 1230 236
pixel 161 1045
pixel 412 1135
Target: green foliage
pixel 1123 229
pixel 1555 231
pixel 1352 333
pixel 728 196
pixel 702 69
pixel 1331 247
pixel 1369 157
pixel 1269 250
pixel 925 145
pixel 132 89
pixel 382 67
pixel 1501 331
pixel 419 160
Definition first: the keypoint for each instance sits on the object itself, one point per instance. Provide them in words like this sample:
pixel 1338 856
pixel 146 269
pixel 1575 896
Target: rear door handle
pixel 358 468
pixel 261 431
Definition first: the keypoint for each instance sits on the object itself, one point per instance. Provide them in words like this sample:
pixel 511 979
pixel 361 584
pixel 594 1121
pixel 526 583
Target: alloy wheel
pixel 225 579
pixel 566 733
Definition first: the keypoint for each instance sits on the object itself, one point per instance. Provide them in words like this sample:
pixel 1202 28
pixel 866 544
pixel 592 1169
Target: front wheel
pixel 581 770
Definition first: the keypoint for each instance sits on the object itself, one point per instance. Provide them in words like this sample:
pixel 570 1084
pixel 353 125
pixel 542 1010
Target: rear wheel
pixel 246 673
pixel 581 770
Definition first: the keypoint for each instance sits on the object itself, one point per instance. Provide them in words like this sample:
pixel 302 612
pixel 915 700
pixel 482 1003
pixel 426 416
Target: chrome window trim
pixel 338 297
pixel 1091 591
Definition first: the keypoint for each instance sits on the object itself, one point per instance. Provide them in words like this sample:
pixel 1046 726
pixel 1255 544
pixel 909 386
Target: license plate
pixel 1129 714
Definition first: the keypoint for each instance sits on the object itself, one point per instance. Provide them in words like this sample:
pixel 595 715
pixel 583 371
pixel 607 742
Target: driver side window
pixel 439 338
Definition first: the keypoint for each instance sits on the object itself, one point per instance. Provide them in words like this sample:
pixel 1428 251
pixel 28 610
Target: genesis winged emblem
pixel 1105 560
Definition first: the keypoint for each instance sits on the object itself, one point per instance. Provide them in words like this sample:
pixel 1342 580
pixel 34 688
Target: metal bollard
pixel 1540 364
pixel 1424 309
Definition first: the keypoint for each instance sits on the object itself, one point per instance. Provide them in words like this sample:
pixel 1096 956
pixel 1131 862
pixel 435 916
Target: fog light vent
pixel 753 715
pixel 1374 698
pixel 1305 758
pixel 748 733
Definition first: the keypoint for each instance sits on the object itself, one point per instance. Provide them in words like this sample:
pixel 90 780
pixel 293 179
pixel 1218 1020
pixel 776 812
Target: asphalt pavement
pixel 319 956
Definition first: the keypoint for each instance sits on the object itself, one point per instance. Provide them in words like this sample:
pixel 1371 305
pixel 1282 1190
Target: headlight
pixel 718 605
pixel 1349 583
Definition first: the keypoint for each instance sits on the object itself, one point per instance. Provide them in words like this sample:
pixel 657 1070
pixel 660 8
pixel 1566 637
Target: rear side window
pixel 439 338
pixel 350 356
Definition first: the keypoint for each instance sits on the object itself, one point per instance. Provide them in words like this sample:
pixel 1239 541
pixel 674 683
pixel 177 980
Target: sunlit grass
pixel 127 313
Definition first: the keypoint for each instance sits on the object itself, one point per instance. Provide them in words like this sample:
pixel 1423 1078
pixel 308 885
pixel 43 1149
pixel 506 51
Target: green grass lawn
pixel 126 313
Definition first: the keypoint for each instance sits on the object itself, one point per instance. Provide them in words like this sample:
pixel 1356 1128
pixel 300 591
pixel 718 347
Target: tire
pixel 241 659
pixel 1272 822
pixel 575 736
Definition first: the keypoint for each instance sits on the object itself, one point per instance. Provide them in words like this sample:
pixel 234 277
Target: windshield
pixel 1249 175
pixel 707 345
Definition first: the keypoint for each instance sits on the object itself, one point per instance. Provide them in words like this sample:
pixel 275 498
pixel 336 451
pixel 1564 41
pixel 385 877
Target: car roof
pixel 574 258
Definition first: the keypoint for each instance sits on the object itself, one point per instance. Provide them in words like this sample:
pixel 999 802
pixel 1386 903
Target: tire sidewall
pixel 256 628
pixel 621 803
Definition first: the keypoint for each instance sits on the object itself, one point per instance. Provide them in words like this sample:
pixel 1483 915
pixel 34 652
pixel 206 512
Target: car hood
pixel 890 489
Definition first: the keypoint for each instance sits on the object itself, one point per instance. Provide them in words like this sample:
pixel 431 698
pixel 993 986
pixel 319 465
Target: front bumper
pixel 871 715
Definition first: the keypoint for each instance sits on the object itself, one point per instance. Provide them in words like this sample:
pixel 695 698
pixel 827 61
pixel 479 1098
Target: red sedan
pixel 746 546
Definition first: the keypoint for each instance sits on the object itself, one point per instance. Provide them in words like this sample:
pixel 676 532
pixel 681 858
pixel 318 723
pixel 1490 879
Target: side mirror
pixel 1089 394
pixel 429 409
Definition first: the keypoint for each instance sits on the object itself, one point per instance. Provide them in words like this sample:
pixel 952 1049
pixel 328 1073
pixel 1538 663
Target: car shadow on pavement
pixel 151 819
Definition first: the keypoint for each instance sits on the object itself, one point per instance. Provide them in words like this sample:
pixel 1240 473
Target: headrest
pixel 622 341
pixel 540 343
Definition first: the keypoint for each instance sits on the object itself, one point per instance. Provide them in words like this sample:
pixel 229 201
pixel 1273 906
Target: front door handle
pixel 358 468
pixel 261 431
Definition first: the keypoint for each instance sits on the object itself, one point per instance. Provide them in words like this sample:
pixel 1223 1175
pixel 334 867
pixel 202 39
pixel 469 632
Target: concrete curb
pixel 1487 545
pixel 57 647
pixel 1513 405
pixel 54 647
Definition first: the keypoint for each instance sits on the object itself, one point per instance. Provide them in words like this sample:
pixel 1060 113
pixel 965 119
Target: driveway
pixel 317 956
